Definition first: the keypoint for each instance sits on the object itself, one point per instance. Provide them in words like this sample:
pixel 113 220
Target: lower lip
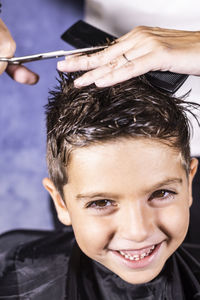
pixel 142 263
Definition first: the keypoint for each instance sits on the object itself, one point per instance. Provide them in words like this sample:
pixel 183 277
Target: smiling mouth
pixel 131 255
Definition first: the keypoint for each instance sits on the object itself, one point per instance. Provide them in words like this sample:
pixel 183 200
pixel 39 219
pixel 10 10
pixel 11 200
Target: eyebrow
pixel 160 184
pixel 95 195
pixel 165 182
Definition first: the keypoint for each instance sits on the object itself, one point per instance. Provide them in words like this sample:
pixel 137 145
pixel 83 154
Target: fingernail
pixel 80 82
pixel 34 80
pixel 61 65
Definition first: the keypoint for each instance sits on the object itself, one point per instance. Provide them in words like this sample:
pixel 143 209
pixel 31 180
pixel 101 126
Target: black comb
pixel 82 35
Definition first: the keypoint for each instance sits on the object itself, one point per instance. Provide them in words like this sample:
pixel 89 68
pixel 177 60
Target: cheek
pixel 92 233
pixel 175 221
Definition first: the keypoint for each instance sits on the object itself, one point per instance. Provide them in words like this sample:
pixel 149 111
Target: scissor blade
pixel 47 55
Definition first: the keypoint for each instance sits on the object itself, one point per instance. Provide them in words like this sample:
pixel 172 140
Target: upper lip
pixel 137 249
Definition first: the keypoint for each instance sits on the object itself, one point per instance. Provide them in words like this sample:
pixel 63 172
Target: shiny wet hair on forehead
pixel 79 117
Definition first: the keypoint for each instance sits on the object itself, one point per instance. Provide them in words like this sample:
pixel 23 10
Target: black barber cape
pixel 50 266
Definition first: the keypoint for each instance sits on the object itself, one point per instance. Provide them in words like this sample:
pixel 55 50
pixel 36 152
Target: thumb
pixel 21 74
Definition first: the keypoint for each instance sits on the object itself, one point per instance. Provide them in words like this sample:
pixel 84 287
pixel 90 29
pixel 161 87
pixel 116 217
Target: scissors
pixel 47 55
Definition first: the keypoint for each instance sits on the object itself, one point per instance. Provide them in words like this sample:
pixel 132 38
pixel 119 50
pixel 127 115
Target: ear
pixel 193 169
pixel 61 208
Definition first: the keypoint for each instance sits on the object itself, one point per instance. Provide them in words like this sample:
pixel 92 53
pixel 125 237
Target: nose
pixel 135 222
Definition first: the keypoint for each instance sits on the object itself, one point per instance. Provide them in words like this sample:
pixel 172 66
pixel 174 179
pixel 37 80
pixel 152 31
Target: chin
pixel 140 278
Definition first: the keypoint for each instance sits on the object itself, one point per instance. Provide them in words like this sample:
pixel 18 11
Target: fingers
pixel 92 61
pixel 129 70
pixel 134 39
pixel 22 75
pixel 124 72
pixel 142 50
pixel 2 67
pixel 132 44
pixel 7 49
pixel 7 45
pixel 92 76
pixel 114 67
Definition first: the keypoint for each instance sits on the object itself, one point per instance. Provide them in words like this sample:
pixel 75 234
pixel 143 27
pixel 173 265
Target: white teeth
pixel 136 256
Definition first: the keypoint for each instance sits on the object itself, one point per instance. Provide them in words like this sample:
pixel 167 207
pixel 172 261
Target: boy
pixel 121 175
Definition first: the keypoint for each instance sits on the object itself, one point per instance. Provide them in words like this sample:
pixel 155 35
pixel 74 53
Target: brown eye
pixel 102 203
pixel 159 194
pixel 162 194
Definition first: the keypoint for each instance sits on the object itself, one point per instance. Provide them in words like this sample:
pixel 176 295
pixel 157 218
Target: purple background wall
pixel 36 27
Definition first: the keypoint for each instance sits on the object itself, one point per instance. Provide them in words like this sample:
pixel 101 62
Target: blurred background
pixel 36 27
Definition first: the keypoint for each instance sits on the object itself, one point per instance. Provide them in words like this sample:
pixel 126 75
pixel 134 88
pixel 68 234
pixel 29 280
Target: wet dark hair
pixel 78 117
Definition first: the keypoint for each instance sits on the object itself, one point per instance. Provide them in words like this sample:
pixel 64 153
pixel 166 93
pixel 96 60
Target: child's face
pixel 128 202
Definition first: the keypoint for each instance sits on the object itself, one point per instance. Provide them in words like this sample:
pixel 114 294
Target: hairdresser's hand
pixel 7 49
pixel 142 50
